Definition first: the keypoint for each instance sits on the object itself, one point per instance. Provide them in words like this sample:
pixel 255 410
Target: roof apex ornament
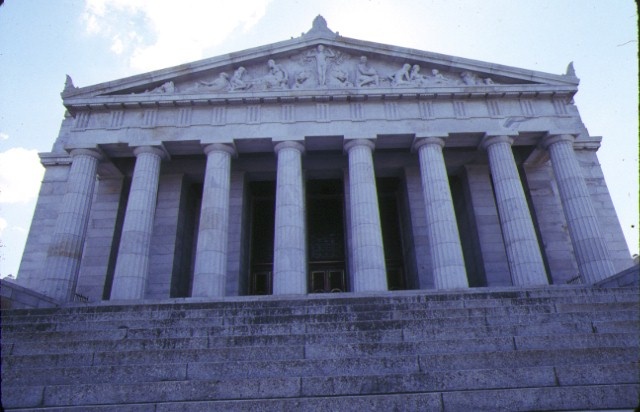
pixel 571 71
pixel 319 28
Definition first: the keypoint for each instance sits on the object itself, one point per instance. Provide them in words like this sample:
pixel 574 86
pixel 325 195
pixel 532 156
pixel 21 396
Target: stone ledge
pixel 627 278
pixel 14 296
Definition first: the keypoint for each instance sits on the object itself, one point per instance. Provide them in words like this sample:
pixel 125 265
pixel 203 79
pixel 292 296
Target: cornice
pixel 135 101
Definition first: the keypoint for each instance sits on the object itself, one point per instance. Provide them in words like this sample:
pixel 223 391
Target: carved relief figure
pixel 220 83
pixel 366 75
pixel 277 78
pixel 167 87
pixel 301 80
pixel 236 82
pixel 438 78
pixel 415 77
pixel 339 79
pixel 321 54
pixel 401 77
pixel 468 78
pixel 488 81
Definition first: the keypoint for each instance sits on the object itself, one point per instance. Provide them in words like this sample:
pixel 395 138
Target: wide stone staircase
pixel 553 348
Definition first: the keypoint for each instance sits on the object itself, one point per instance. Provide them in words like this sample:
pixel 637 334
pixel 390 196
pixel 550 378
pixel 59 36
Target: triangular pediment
pixel 322 62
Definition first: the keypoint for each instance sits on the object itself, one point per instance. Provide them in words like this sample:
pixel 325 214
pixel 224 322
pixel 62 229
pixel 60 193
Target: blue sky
pixel 101 40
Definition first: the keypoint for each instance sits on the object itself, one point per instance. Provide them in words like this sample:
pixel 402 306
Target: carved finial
pixel 68 85
pixel 319 23
pixel 319 27
pixel 570 70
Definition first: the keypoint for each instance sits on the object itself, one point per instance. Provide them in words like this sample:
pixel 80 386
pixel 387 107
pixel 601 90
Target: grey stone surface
pixel 592 254
pixel 523 252
pixel 132 265
pixel 210 273
pixel 511 346
pixel 446 251
pixel 64 253
pixel 290 244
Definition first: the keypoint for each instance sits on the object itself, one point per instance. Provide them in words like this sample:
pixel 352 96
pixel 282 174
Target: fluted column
pixel 210 273
pixel 65 250
pixel 523 251
pixel 594 261
pixel 369 269
pixel 290 251
pixel 442 228
pixel 132 265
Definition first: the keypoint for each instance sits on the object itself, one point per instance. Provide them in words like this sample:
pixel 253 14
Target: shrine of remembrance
pixel 321 164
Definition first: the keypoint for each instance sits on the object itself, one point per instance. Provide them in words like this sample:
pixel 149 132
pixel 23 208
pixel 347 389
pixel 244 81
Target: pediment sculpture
pixel 323 67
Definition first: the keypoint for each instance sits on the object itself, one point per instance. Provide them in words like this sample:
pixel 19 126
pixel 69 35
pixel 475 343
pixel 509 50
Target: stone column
pixel 594 261
pixel 290 250
pixel 210 273
pixel 444 240
pixel 132 265
pixel 65 250
pixel 369 268
pixel 523 251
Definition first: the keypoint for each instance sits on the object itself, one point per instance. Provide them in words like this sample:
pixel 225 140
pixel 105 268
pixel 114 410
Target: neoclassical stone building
pixel 321 164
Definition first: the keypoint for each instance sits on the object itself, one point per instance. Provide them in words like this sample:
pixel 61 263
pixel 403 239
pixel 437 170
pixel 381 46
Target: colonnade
pixel 367 254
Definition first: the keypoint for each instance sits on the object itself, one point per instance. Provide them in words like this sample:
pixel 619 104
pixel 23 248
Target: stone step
pixel 408 331
pixel 354 310
pixel 466 317
pixel 470 380
pixel 473 345
pixel 312 303
pixel 604 367
pixel 81 369
pixel 167 354
pixel 576 398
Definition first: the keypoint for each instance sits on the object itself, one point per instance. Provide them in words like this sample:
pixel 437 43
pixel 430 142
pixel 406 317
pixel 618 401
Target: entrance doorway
pixel 262 221
pixel 325 236
pixel 389 198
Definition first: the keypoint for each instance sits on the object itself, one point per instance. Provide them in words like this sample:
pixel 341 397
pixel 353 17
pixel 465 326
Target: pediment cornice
pixel 320 65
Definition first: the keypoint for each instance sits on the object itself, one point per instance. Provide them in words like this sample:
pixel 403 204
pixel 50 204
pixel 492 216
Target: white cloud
pixel 4 136
pixel 161 34
pixel 20 175
pixel 3 225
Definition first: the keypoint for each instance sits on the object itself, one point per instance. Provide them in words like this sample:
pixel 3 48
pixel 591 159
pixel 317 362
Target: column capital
pixel 490 140
pixel 95 153
pixel 219 147
pixel 359 142
pixel 289 144
pixel 156 150
pixel 427 140
pixel 551 139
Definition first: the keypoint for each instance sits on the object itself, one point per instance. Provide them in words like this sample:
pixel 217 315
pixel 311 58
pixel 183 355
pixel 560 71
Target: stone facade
pixel 321 164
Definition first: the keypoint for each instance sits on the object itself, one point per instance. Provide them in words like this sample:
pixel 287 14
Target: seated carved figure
pixel 468 78
pixel 366 75
pixel 438 78
pixel 415 77
pixel 237 82
pixel 277 78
